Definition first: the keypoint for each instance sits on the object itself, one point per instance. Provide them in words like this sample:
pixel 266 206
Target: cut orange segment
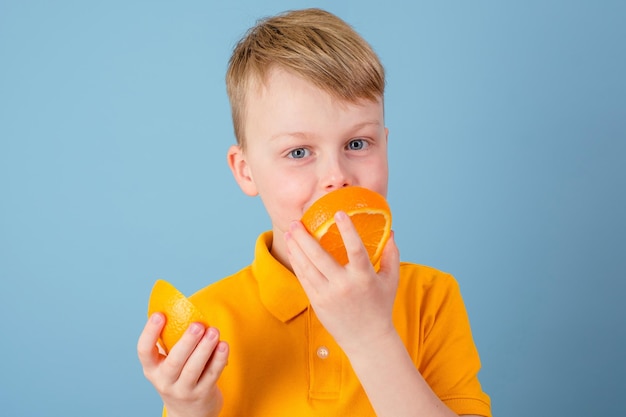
pixel 368 211
pixel 179 312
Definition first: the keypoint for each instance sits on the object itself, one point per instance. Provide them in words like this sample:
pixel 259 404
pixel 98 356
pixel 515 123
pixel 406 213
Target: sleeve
pixel 449 360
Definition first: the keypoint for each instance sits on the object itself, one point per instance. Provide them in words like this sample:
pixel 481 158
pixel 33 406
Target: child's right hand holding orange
pixel 186 379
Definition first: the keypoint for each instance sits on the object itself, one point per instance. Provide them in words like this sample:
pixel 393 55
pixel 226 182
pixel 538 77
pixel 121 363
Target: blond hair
pixel 311 43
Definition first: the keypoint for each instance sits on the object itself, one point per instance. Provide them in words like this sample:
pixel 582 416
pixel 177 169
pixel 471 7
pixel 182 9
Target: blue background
pixel 507 146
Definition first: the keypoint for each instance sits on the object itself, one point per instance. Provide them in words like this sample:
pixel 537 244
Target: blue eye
pixel 357 145
pixel 298 153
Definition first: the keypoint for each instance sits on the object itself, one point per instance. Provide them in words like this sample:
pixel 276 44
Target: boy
pixel 306 336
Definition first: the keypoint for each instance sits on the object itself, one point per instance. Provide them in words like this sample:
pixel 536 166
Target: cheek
pixel 377 177
pixel 284 199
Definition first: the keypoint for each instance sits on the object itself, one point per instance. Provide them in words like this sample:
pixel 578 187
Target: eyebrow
pixel 299 135
pixel 303 135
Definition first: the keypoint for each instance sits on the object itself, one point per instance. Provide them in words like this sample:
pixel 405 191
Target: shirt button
pixel 322 352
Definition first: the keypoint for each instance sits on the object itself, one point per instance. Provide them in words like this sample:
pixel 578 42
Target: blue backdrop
pixel 507 146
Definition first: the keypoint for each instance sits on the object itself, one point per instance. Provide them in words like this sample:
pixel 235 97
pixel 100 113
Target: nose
pixel 335 174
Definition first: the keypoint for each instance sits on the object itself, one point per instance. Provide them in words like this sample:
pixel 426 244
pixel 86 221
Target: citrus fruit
pixel 368 211
pixel 179 312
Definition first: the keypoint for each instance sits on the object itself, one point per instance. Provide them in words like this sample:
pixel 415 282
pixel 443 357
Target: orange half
pixel 179 312
pixel 368 211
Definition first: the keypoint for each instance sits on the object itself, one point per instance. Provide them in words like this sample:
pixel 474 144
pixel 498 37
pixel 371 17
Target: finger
pixel 390 258
pixel 173 364
pixel 325 262
pixel 147 350
pixel 357 254
pixel 306 255
pixel 298 261
pixel 197 361
pixel 310 246
pixel 216 365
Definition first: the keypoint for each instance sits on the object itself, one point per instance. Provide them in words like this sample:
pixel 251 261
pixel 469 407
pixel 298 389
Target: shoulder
pixel 228 289
pixel 424 278
pixel 427 291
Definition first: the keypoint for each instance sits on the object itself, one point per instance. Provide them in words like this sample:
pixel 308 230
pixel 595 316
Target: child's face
pixel 303 143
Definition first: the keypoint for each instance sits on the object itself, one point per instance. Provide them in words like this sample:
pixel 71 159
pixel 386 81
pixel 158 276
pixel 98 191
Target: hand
pixel 353 302
pixel 186 378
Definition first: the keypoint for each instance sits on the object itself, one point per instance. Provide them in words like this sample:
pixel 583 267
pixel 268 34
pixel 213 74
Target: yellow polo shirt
pixel 284 363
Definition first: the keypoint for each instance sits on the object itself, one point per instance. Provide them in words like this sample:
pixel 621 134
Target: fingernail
pixel 195 328
pixel 156 318
pixel 212 334
pixel 340 216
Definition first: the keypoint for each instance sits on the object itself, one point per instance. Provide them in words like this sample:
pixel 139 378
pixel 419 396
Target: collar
pixel 279 289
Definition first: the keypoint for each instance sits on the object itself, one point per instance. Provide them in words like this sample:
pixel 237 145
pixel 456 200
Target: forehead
pixel 293 107
pixel 291 94
pixel 278 80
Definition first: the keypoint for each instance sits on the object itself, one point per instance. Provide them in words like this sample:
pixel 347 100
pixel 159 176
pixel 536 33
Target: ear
pixel 241 170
